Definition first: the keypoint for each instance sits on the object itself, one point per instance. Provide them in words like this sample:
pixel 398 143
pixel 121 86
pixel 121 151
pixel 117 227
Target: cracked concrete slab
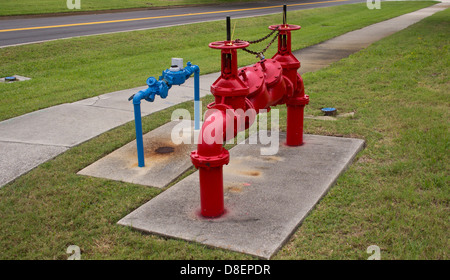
pixel 266 197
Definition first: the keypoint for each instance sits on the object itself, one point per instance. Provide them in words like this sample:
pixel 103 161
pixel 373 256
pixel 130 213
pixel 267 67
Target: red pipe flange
pixel 229 45
pixel 285 27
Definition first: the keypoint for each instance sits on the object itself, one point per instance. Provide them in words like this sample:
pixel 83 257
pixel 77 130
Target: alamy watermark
pixel 229 127
pixel 373 4
pixel 375 252
pixel 75 252
pixel 73 4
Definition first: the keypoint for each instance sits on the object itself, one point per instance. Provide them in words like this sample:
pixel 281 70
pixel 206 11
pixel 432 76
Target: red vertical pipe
pixel 211 191
pixel 295 113
pixel 294 130
pixel 209 158
pixel 295 103
pixel 230 94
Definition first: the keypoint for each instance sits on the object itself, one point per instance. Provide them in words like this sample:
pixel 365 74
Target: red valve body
pixel 267 83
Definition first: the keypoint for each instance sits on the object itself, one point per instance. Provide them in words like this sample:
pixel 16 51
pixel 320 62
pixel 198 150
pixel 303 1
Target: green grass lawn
pixel 73 69
pixel 30 7
pixel 395 195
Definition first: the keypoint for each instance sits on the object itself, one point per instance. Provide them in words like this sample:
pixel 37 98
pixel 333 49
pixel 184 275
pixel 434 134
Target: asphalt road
pixel 39 29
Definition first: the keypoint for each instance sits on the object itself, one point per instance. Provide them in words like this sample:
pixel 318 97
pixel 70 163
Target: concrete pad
pixel 63 125
pixel 17 158
pixel 266 197
pixel 164 160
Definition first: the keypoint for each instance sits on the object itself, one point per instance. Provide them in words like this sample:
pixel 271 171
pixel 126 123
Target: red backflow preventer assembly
pixel 239 96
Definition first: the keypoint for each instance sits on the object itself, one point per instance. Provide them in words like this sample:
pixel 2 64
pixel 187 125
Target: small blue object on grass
pixel 329 111
pixel 10 79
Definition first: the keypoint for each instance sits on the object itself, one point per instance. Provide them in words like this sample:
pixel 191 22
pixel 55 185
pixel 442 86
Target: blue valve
pixel 175 75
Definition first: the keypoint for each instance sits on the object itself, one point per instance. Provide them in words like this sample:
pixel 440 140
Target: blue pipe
pixel 161 87
pixel 138 124
pixel 197 99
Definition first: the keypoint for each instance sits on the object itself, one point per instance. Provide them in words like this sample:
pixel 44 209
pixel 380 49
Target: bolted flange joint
pixel 210 161
pixel 298 100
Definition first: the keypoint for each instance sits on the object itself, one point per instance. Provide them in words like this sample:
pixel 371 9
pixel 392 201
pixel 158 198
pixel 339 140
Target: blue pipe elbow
pixel 139 96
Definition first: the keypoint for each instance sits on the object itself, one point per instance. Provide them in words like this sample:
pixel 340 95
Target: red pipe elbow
pixel 221 124
pixel 209 158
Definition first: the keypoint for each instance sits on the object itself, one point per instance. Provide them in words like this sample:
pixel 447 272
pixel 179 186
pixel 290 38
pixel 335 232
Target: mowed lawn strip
pixel 73 69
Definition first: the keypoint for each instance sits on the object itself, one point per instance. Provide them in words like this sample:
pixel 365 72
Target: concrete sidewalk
pixel 32 139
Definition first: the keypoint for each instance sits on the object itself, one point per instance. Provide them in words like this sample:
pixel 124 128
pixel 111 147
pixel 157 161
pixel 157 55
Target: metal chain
pixel 260 54
pixel 262 39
